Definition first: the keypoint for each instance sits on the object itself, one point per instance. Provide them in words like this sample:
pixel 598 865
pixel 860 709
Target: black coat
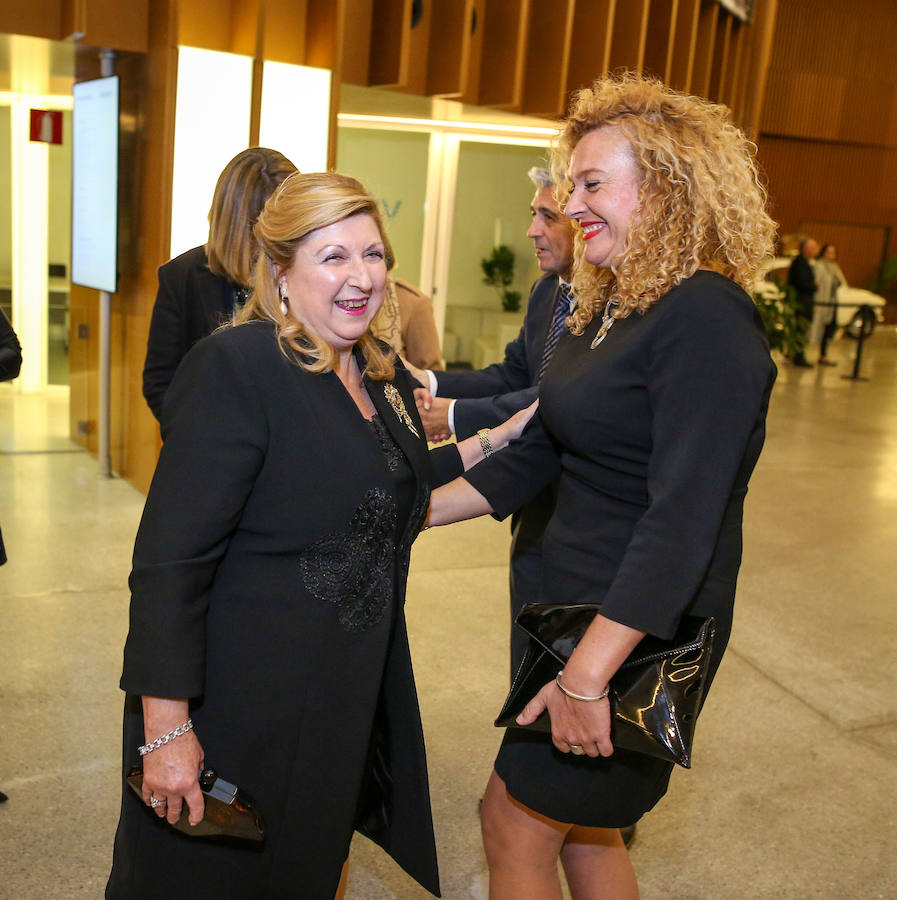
pixel 485 399
pixel 802 279
pixel 10 366
pixel 267 586
pixel 10 350
pixel 191 303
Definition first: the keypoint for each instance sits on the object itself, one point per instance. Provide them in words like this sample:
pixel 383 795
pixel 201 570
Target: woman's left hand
pixel 574 723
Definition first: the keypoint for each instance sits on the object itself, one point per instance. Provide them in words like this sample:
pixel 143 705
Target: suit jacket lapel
pixel 390 399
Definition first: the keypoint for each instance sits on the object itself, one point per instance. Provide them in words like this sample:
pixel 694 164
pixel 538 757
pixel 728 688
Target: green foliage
pixel 886 277
pixel 498 272
pixel 785 326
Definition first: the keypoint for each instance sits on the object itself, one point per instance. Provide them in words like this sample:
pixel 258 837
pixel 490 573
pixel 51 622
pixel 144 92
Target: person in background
pixel 406 323
pixel 267 632
pixel 10 366
pixel 829 278
pixel 202 288
pixel 651 417
pixel 803 280
pixel 461 403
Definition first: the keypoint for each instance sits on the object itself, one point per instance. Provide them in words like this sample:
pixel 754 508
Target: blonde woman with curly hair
pixel 652 417
pixel 267 634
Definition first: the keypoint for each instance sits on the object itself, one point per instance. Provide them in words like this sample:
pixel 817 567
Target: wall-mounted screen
pixel 95 184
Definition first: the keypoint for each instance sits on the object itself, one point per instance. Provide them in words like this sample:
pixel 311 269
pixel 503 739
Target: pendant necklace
pixel 607 321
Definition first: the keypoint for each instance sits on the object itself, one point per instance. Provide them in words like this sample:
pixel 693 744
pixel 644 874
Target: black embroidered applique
pixel 392 453
pixel 354 570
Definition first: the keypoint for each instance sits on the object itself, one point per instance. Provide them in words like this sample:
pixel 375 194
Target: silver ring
pixel 154 802
pixel 576 749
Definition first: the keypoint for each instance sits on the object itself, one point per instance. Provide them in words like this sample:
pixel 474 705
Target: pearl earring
pixel 284 308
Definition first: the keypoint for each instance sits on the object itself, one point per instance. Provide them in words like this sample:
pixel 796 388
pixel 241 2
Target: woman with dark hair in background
pixel 829 278
pixel 204 287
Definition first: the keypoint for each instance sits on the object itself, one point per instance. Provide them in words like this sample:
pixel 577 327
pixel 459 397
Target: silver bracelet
pixel 160 741
pixel 564 690
pixel 485 443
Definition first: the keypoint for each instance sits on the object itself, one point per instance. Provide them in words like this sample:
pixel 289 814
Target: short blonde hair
pixel 243 186
pixel 301 205
pixel 701 202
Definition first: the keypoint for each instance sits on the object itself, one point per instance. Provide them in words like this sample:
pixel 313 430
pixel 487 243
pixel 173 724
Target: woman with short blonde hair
pixel 267 634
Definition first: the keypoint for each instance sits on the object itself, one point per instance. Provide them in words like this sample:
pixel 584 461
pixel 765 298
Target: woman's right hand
pixel 171 772
pixel 512 427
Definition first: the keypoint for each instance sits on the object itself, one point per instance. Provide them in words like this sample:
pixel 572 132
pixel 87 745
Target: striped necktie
pixel 556 329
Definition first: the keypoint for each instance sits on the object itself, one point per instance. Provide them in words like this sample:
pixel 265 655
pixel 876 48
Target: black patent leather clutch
pixel 655 695
pixel 229 811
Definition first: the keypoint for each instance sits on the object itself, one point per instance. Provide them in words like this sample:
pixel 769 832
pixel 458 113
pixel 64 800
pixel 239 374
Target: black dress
pixel 654 435
pixel 268 586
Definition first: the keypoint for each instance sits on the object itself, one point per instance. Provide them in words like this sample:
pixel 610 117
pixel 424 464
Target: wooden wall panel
pixel 205 24
pixel 471 91
pixel 354 42
pixel 502 65
pixel 704 48
pixel 627 49
pixel 684 44
pixel 101 24
pixel 589 59
pixel 419 49
pixel 659 38
pixel 549 38
pixel 38 18
pixel 147 132
pixel 247 23
pixel 283 34
pixel 862 248
pixel 450 47
pixel 839 81
pixel 390 43
pixel 831 182
pixel 720 62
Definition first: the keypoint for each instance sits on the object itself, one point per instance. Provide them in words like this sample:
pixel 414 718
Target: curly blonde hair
pixel 302 204
pixel 701 202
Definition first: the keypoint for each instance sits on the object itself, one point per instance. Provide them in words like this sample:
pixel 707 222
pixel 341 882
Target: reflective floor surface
pixel 793 789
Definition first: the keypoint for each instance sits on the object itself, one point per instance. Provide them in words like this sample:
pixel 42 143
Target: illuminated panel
pixel 211 126
pixel 295 114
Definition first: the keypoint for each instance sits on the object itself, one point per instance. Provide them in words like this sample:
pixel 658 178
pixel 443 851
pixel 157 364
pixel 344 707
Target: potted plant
pixel 498 272
pixel 786 328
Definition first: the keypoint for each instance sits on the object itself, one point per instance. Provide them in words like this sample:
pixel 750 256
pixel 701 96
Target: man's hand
pixel 434 414
pixel 418 375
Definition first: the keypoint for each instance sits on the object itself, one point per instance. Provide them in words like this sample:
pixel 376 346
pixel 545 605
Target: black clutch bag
pixel 229 811
pixel 655 695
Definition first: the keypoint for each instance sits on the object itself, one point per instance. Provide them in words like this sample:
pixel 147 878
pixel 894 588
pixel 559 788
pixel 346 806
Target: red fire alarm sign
pixel 46 125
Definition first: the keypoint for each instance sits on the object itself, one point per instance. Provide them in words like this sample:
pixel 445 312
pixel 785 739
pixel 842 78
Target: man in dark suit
pixel 484 398
pixel 802 279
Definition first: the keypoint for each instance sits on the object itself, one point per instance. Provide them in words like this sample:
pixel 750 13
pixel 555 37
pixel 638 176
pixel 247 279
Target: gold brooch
pixel 398 405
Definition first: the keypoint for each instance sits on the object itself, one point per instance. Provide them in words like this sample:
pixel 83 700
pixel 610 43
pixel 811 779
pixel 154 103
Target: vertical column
pixel 29 246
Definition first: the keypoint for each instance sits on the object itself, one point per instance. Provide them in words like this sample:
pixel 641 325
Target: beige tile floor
pixel 794 789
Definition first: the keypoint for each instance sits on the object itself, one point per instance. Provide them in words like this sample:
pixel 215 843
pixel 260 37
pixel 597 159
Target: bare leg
pixel 522 847
pixel 341 887
pixel 597 865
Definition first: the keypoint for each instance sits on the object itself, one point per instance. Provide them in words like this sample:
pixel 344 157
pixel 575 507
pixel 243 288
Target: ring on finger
pixel 155 802
pixel 576 749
